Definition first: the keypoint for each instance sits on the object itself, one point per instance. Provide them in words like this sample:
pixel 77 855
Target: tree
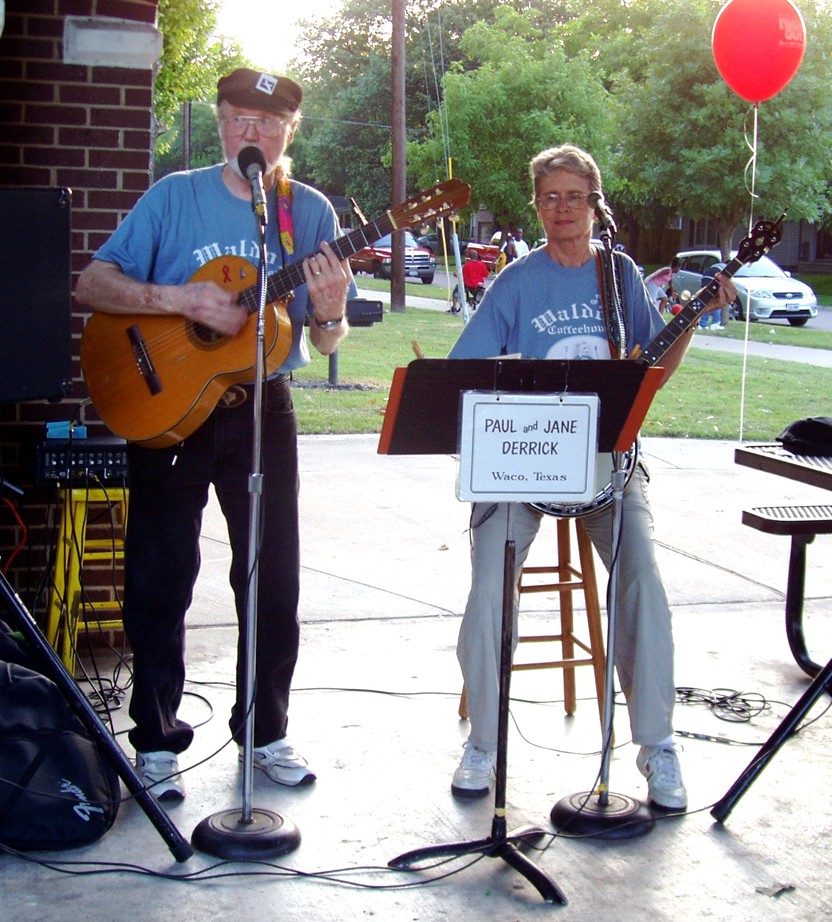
pixel 683 133
pixel 193 59
pixel 343 65
pixel 524 96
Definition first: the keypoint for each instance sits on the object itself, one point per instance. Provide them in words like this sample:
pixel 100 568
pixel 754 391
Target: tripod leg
pixel 178 845
pixel 788 725
pixel 545 886
pixel 499 844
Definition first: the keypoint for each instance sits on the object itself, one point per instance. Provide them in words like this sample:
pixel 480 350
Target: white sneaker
pixel 159 772
pixel 475 772
pixel 717 326
pixel 660 766
pixel 282 763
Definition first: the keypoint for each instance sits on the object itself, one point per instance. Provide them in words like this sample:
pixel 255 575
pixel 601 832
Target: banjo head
pixel 603 489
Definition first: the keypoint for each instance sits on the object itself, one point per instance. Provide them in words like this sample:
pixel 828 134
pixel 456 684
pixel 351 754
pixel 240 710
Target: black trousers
pixel 168 493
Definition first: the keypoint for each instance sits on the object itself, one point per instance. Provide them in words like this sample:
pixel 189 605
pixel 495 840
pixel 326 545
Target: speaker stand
pixel 57 672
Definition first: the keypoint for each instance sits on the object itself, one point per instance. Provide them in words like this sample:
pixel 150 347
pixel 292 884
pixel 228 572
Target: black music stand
pixel 423 418
pixel 821 683
pixel 56 671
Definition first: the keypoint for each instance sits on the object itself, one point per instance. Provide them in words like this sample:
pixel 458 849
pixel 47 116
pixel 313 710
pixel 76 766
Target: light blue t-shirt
pixel 541 310
pixel 187 219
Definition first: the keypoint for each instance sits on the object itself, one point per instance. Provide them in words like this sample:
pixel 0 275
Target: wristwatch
pixel 328 324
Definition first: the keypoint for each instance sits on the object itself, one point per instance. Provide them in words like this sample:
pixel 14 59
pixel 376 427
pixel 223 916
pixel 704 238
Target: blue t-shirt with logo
pixel 538 309
pixel 187 219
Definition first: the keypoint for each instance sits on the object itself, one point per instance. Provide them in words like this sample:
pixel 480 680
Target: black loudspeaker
pixel 35 294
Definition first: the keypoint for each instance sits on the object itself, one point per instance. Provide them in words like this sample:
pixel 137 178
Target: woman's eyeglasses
pixel 550 200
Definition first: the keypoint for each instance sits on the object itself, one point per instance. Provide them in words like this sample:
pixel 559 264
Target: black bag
pixel 56 789
pixel 810 436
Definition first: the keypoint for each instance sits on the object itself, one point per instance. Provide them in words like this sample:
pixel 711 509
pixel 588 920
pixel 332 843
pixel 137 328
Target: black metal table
pixel 815 471
pixel 774 459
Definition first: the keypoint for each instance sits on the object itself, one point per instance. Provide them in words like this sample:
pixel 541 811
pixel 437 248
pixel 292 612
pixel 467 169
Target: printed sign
pixel 527 447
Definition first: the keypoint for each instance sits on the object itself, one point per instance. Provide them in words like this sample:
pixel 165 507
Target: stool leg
pixel 567 623
pixel 593 615
pixel 63 550
pixel 795 591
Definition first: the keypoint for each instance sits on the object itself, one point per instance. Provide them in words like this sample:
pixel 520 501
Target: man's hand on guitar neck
pixel 104 287
pixel 327 280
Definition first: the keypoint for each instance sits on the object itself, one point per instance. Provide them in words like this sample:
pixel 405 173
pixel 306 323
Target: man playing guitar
pixel 188 224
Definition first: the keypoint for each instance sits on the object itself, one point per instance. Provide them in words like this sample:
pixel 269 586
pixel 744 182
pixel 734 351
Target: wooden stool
pixel 569 579
pixel 68 607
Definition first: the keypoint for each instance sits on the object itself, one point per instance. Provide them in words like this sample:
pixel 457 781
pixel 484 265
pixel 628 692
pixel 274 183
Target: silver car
pixel 765 291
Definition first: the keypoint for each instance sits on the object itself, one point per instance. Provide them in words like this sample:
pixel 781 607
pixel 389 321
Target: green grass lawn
pixel 780 332
pixel 703 399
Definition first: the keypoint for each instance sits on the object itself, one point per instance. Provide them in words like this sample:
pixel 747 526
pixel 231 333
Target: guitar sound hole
pixel 203 337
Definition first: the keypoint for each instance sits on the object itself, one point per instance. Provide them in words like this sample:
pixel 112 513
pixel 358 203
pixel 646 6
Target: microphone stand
pixel 247 832
pixel 598 813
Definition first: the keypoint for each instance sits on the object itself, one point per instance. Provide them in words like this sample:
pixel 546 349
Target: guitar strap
pixel 284 216
pixel 605 286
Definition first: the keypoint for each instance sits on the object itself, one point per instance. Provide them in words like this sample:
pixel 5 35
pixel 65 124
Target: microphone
pixel 602 211
pixel 252 165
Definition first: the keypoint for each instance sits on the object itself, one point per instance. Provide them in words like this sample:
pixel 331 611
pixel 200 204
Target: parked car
pixel 429 241
pixel 765 291
pixel 377 259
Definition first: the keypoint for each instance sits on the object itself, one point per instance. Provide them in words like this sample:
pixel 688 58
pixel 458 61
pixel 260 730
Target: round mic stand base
pixel 226 835
pixel 621 817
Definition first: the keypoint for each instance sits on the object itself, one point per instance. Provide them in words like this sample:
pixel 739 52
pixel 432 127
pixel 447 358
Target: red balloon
pixel 758 46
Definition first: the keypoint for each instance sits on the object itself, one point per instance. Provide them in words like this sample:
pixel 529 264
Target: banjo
pixel 764 235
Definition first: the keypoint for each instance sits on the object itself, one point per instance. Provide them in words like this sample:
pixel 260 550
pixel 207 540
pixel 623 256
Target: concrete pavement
pixel 385 575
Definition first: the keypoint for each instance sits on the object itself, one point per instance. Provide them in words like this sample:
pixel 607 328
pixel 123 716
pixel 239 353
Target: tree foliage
pixel 193 59
pixel 633 81
pixel 523 96
pixel 685 139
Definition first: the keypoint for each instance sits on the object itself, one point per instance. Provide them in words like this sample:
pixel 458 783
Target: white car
pixel 765 291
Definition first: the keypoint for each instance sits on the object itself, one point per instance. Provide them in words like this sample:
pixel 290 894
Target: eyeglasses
pixel 268 126
pixel 551 200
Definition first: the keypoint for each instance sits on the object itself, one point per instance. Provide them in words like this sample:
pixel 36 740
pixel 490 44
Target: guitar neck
pixel 283 282
pixel 653 352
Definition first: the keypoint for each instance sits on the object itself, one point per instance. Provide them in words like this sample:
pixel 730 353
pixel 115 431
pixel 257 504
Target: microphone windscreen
pixel 251 161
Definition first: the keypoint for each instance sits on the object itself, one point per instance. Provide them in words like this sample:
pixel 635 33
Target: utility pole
pixel 397 121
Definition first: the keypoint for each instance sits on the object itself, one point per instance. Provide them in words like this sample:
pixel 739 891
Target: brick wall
pixel 63 125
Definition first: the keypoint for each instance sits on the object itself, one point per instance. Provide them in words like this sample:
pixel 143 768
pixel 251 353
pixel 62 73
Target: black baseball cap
pixel 251 89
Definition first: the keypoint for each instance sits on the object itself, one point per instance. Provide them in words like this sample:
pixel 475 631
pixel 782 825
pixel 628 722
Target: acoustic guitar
pixel 154 379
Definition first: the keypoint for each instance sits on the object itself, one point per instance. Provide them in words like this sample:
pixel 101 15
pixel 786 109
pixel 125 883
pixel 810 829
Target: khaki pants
pixel 644 640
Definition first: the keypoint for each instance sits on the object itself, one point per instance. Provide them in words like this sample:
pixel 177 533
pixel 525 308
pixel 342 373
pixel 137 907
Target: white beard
pixel 235 166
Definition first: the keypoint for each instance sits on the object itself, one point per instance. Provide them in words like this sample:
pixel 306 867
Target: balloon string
pixel 752 166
